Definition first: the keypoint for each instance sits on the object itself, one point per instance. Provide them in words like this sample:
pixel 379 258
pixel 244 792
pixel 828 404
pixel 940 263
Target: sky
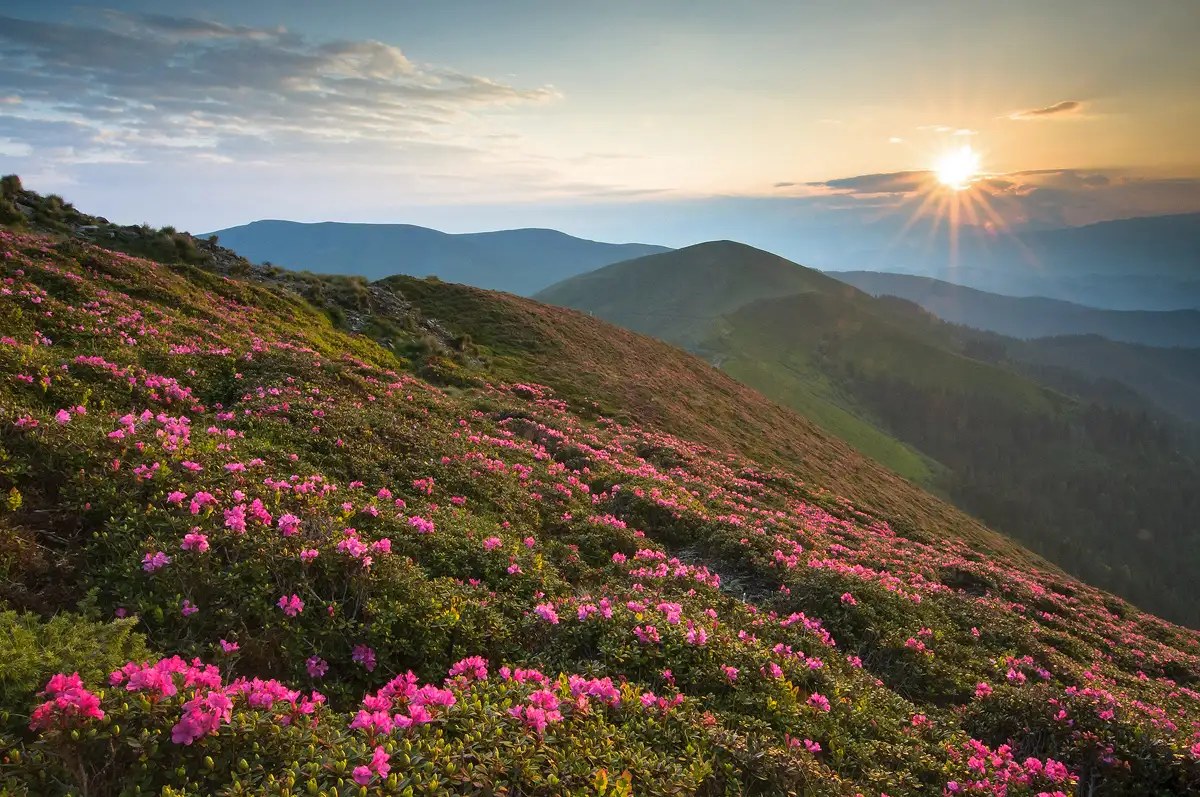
pixel 789 125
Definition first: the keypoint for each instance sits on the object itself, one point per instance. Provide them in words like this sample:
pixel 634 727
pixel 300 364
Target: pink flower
pixel 195 542
pixel 730 672
pixel 291 606
pixel 188 608
pixel 819 701
pixel 530 542
pixel 69 704
pixel 619 558
pixel 289 524
pixel 848 599
pixel 473 666
pixel 547 613
pixel 491 542
pixel 317 666
pixel 982 690
pixel 362 776
pixel 155 561
pixel 647 634
pixel 364 656
pixel 308 554
pixel 379 762
pixel 229 647
pixel 62 416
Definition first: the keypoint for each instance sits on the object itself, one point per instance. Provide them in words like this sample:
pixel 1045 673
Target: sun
pixel 958 168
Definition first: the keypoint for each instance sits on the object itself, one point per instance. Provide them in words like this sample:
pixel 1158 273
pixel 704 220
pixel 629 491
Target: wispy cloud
pixel 1058 110
pixel 141 83
pixel 885 183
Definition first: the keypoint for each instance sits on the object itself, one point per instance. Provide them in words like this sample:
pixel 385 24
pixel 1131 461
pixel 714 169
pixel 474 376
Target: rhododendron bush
pixel 343 578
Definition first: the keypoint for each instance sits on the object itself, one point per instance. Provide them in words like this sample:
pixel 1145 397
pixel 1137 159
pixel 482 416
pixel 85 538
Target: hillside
pixel 1098 488
pixel 1163 383
pixel 1031 316
pixel 582 604
pixel 516 261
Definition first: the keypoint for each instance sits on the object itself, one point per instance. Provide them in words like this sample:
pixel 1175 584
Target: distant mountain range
pixel 516 261
pixel 1147 263
pixel 1030 317
pixel 1055 444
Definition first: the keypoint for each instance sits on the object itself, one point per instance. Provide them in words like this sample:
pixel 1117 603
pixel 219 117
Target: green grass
pixel 511 470
pixel 807 393
pixel 636 378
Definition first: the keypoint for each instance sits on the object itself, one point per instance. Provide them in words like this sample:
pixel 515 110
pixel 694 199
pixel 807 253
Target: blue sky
pixel 778 123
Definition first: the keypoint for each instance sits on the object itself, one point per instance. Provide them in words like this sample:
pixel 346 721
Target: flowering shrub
pixel 346 579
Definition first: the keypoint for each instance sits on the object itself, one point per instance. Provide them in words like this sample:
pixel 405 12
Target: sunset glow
pixel 957 169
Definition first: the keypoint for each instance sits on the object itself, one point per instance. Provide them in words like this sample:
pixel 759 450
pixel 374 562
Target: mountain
pixel 1147 263
pixel 679 293
pixel 1095 486
pixel 387 560
pixel 1030 317
pixel 352 545
pixel 516 261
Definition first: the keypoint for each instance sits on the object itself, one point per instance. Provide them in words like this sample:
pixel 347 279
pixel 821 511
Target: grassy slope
pixel 658 296
pixel 857 365
pixel 876 345
pixel 642 379
pixel 220 388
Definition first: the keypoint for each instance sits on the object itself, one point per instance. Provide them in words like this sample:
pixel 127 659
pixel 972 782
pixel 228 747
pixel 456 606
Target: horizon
pixel 465 117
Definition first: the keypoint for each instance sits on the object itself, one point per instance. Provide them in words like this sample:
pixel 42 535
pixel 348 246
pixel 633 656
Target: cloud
pixel 886 183
pixel 1066 108
pixel 1030 198
pixel 784 185
pixel 150 85
pixel 14 149
pixel 188 28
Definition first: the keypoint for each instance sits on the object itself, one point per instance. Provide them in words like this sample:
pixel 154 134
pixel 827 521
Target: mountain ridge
pixel 1031 316
pixel 518 261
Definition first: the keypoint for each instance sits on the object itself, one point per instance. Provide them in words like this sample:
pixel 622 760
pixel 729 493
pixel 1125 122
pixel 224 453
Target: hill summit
pixel 249 550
